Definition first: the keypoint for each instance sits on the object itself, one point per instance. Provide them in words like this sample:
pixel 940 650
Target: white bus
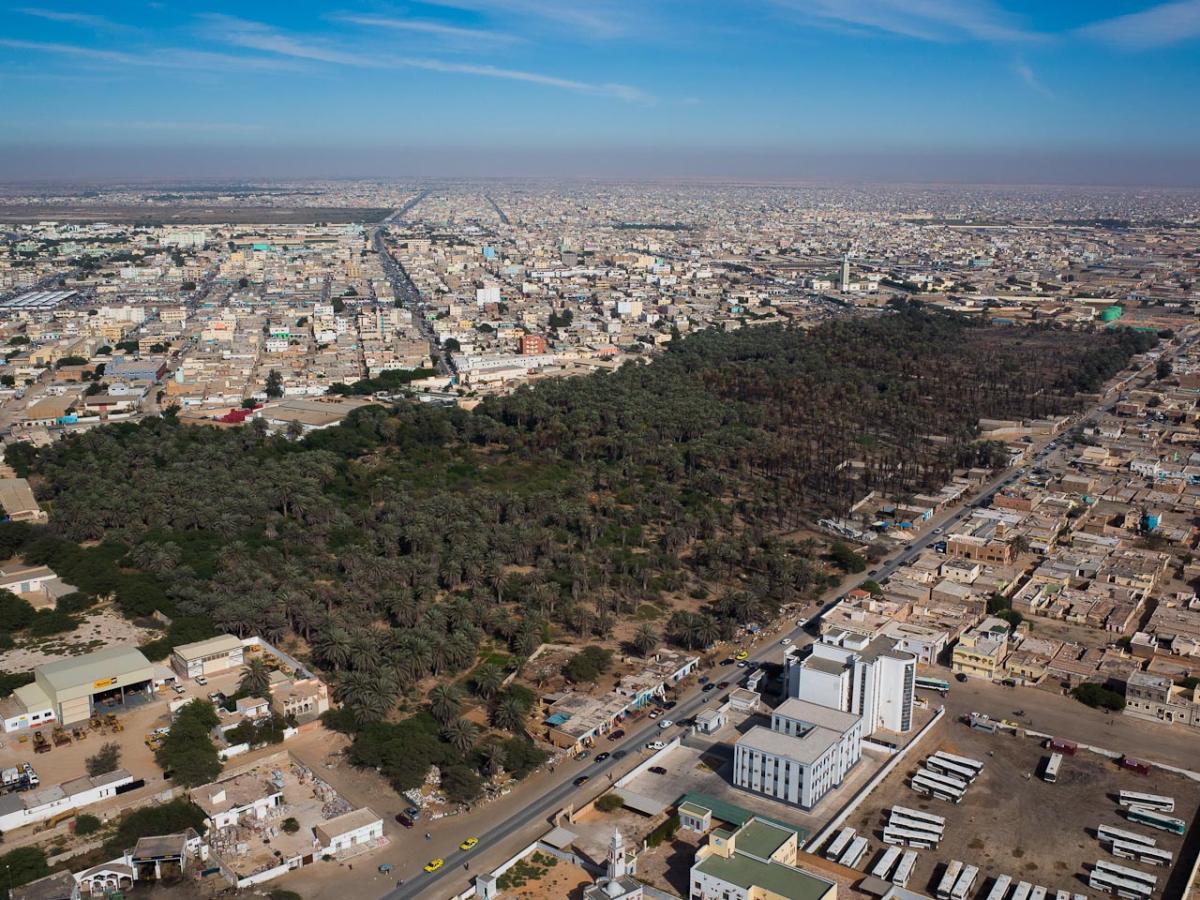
pixel 1155 856
pixel 1050 772
pixel 1022 891
pixel 919 816
pixel 839 843
pixel 1112 868
pixel 965 883
pixel 854 853
pixel 924 786
pixel 953 770
pixel 904 871
pixel 965 761
pixel 1060 894
pixel 1158 820
pixel 949 879
pixel 1147 801
pixel 1110 833
pixel 999 887
pixel 904 837
pixel 1038 893
pixel 948 780
pixel 1112 883
pixel 900 820
pixel 883 868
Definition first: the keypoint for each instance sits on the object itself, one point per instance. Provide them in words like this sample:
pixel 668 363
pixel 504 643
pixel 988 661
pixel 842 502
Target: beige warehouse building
pixel 74 687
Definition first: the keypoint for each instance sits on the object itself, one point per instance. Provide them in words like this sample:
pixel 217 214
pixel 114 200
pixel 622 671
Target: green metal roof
pixel 736 815
pixel 782 881
pixel 761 839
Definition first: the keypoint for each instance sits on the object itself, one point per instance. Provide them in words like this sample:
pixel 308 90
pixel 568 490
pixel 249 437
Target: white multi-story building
pixel 805 753
pixel 853 673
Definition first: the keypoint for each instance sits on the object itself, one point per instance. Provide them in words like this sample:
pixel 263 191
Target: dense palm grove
pixel 400 543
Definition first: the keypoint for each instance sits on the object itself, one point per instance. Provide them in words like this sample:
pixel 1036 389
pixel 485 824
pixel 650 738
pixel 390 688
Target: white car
pixel 665 723
pixel 937 531
pixel 177 688
pixel 655 745
pixel 785 641
pixel 201 680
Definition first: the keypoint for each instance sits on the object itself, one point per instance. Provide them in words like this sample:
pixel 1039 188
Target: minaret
pixel 616 856
pixel 845 282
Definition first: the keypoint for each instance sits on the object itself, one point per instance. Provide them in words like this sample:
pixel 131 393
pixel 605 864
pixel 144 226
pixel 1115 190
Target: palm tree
pixel 488 679
pixel 461 734
pixel 493 757
pixel 645 639
pixel 509 714
pixel 256 678
pixel 444 702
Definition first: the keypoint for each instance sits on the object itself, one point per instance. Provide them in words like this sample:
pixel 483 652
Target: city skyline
pixel 829 89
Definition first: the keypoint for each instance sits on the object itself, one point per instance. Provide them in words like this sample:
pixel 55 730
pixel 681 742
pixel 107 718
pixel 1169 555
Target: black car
pixel 960 677
pixel 620 754
pixel 601 757
pixel 582 780
pixel 671 704
pixel 709 687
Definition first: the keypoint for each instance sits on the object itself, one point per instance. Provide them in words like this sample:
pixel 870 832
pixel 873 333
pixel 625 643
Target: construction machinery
pixel 61 738
pixel 40 744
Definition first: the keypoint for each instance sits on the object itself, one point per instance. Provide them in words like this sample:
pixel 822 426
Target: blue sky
pixel 709 80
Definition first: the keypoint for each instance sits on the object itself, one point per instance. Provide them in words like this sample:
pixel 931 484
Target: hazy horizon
pixel 57 165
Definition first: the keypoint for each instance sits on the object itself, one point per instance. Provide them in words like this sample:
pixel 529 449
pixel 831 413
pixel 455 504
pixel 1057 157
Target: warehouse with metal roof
pixel 102 681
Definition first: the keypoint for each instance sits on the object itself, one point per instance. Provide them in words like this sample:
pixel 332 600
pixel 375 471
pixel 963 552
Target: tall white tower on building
pixel 844 284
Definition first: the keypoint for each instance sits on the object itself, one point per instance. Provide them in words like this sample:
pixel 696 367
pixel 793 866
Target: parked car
pixel 582 780
pixel 654 713
pixel 178 688
pixel 704 679
pixel 655 745
pixel 785 641
pixel 404 820
pixel 961 677
pixel 742 665
pixel 620 754
pixel 722 684
pixel 601 757
pixel 709 687
pixel 581 755
pixel 201 680
pixel 616 735
pixel 665 723
pixel 412 812
pixel 658 770
pixel 670 704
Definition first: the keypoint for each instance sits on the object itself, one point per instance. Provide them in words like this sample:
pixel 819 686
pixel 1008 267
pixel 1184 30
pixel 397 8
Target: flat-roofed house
pixel 208 657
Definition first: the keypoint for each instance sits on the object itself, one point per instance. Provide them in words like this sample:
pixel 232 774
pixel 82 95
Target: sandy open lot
pixel 1011 822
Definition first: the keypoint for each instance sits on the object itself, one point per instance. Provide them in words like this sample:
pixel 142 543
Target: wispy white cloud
pixel 1026 74
pixel 595 19
pixel 435 29
pixel 257 36
pixel 161 58
pixel 927 20
pixel 72 18
pixel 1157 26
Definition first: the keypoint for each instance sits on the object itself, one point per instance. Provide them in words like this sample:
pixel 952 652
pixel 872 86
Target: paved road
pixel 1049 712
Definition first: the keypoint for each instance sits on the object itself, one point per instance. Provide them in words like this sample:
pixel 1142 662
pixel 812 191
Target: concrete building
pixel 873 679
pixel 70 690
pixel 18 502
pixel 805 753
pixel 618 882
pixel 1158 699
pixel 208 657
pixel 355 828
pixel 755 862
pixel 981 652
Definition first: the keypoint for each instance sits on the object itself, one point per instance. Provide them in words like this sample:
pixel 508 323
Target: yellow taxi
pixel 434 864
pixel 469 843
pixel 741 655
